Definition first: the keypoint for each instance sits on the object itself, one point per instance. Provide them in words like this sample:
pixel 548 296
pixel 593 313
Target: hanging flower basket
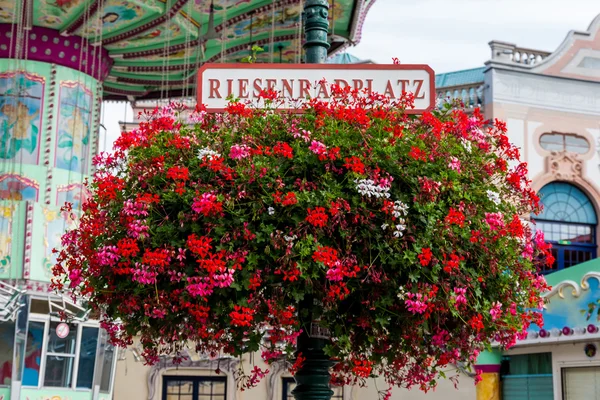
pixel 406 232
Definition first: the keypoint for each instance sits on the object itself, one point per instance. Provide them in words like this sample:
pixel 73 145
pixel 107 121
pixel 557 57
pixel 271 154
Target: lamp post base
pixel 312 378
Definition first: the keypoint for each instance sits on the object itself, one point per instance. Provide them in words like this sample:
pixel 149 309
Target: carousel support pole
pixel 316 27
pixel 312 378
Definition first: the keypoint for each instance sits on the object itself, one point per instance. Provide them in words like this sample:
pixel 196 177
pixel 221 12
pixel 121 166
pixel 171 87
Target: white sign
pixel 297 81
pixel 62 330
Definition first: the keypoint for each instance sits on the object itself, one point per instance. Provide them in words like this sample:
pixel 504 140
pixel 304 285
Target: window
pixel 194 388
pixel 33 353
pixel 81 360
pixel 288 384
pixel 87 357
pixel 568 221
pixel 107 368
pixel 527 377
pixel 60 357
pixel 21 339
pixel 7 341
pixel 590 62
pixel 581 383
pixel 571 142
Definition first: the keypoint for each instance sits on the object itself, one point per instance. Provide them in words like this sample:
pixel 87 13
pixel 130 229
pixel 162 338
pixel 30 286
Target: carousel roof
pixel 153 48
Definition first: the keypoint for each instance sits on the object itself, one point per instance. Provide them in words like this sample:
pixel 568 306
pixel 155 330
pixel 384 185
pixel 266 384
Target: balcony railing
pixel 471 95
pixel 509 52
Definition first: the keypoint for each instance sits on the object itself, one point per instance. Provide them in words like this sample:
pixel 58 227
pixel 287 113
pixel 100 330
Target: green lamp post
pixel 312 378
pixel 316 27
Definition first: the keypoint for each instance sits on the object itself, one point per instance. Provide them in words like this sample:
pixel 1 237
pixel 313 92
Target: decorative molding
pixel 564 165
pixel 576 289
pixel 228 366
pixel 276 371
pixel 567 45
pixel 545 92
pixel 95 143
pixel 574 66
pixel 49 133
pixel 28 239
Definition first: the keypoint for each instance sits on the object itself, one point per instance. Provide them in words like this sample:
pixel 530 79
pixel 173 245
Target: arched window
pixel 568 221
pixel 556 141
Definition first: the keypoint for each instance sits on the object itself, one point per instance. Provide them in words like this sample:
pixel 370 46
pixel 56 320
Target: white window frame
pixel 557 373
pixel 74 355
pixel 113 367
pixel 47 319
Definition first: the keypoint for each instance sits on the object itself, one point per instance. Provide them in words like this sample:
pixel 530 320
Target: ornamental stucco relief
pixel 546 92
pixel 565 165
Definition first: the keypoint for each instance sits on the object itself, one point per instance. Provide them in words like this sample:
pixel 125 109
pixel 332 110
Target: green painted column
pixel 316 27
pixel 312 378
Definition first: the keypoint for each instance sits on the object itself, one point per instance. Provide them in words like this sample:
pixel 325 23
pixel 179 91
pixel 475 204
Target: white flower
pixel 399 209
pixel 290 238
pixel 367 187
pixel 401 292
pixel 271 210
pixel 384 226
pixel 206 152
pixel 493 196
pixel 400 227
pixel 466 144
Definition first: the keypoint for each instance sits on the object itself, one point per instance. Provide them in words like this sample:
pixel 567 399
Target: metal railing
pixel 9 301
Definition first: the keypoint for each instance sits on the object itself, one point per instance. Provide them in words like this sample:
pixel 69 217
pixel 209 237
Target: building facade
pixel 551 105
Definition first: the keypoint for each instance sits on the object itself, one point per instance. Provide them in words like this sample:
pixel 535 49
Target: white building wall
pixel 568 355
pixel 137 381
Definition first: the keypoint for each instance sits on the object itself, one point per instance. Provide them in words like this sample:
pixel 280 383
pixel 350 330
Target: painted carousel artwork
pixel 57 13
pixel 174 56
pixel 21 106
pixel 572 306
pixel 75 194
pixel 18 188
pixel 74 127
pixel 179 29
pixel 7 11
pixel 285 18
pixel 282 53
pixel 56 222
pixel 6 220
pixel 117 14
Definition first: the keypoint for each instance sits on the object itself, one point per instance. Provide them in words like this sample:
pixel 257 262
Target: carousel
pixel 59 60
